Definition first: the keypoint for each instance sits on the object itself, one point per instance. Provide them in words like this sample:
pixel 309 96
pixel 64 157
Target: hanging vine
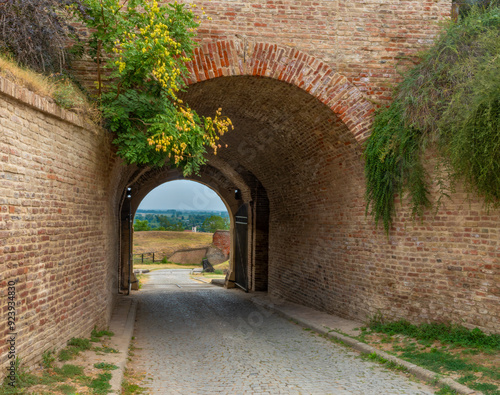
pixel 450 101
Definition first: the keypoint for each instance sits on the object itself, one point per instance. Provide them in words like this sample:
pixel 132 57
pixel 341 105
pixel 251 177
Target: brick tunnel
pixel 300 82
pixel 296 166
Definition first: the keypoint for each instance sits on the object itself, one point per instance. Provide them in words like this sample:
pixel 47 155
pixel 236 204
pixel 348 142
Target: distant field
pixel 166 243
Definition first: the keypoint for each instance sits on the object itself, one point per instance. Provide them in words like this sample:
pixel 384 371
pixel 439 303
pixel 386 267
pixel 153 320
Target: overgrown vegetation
pixel 449 102
pixel 468 356
pixel 37 32
pixel 58 376
pixel 454 335
pixel 143 48
pixel 59 87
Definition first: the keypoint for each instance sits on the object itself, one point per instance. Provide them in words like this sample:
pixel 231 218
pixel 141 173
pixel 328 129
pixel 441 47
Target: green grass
pixel 441 361
pixel 105 349
pixel 132 389
pixel 101 385
pixel 69 371
pixel 437 361
pixel 48 358
pixel 455 335
pixel 105 366
pixel 430 346
pixel 446 390
pixel 75 346
pixel 96 335
pixel 67 389
pixel 25 379
pixel 486 388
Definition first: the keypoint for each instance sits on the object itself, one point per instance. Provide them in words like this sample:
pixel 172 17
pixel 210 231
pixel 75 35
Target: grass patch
pixel 67 389
pixel 446 390
pixel 132 389
pixel 23 379
pixel 96 335
pixel 165 243
pixel 75 346
pixel 48 358
pixel 106 350
pixel 455 335
pixel 101 385
pixel 105 366
pixel 436 361
pixel 69 371
pixel 470 356
pixel 58 87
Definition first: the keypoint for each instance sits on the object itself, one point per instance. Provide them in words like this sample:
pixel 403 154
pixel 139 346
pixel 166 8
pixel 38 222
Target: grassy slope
pixel 166 243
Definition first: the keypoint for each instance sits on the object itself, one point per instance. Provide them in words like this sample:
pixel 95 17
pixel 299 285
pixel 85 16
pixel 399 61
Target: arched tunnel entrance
pixel 295 166
pixel 236 196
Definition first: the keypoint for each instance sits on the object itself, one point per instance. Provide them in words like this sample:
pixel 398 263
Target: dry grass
pixel 35 82
pixel 166 243
pixel 61 90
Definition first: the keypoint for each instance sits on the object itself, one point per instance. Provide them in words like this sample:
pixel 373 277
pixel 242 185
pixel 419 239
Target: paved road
pixel 194 338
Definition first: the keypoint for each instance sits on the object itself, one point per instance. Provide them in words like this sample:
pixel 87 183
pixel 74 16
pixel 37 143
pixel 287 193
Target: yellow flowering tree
pixel 142 48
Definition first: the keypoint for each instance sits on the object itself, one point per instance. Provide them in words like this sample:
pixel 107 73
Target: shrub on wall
pixel 37 32
pixel 450 101
pixel 144 47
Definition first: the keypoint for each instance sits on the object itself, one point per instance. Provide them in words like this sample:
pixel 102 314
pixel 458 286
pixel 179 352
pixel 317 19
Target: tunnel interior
pixel 297 167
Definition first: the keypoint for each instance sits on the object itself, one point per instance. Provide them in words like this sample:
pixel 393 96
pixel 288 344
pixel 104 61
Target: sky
pixel 182 195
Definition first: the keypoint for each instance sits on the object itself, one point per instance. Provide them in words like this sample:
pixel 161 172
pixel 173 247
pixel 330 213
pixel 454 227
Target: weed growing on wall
pixel 142 49
pixel 451 102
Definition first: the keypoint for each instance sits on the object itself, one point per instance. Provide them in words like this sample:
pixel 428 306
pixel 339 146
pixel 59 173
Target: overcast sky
pixel 182 195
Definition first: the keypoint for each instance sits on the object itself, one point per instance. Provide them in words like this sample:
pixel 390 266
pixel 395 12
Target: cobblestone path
pixel 200 339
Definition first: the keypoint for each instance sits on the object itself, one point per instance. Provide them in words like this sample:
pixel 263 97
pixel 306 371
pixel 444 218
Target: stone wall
pixel 189 256
pixel 57 225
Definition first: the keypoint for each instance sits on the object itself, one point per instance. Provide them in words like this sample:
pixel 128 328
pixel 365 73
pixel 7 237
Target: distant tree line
pixel 172 220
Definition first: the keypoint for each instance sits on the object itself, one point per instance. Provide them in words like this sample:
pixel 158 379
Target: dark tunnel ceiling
pixel 279 129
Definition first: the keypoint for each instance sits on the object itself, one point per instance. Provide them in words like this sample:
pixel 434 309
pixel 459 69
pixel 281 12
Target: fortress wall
pixel 57 228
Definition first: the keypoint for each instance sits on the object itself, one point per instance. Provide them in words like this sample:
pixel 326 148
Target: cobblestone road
pixel 199 339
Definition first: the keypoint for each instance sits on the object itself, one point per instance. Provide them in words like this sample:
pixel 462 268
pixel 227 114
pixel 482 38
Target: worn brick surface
pixel 56 227
pixel 222 240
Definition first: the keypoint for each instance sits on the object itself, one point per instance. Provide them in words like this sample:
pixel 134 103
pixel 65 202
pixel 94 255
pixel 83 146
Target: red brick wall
pixel 299 81
pixel 361 40
pixel 323 251
pixel 57 234
pixel 222 240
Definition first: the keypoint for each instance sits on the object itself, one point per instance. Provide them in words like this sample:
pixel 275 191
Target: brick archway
pixel 224 183
pixel 226 58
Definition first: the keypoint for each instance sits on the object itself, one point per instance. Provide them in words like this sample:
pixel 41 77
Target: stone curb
pixel 419 372
pixel 203 281
pixel 124 344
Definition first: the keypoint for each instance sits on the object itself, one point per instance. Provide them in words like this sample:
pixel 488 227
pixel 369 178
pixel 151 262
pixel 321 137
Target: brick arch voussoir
pixel 239 57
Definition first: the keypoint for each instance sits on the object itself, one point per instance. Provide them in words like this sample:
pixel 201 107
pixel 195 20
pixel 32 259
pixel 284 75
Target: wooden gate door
pixel 241 247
